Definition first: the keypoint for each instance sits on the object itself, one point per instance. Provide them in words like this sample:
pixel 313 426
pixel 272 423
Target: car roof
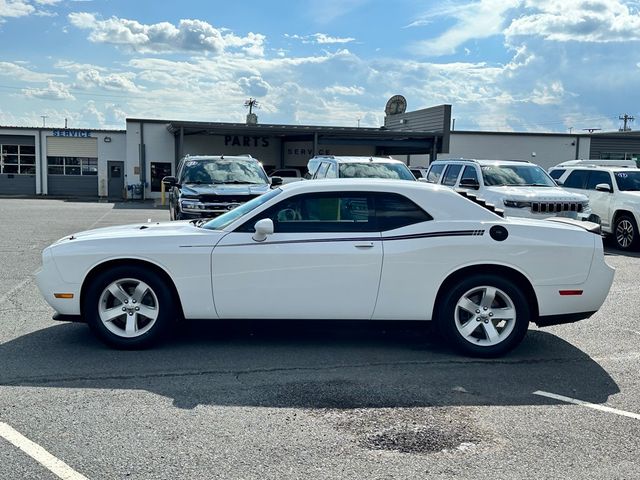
pixel 483 161
pixel 373 184
pixel 358 159
pixel 595 167
pixel 196 158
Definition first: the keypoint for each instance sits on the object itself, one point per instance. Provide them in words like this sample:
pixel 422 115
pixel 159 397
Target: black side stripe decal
pixel 450 233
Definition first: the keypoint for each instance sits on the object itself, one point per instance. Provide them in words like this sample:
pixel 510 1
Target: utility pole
pixel 44 118
pixel 626 118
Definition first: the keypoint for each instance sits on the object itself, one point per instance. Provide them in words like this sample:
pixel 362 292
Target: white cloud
pixel 164 37
pixel 474 20
pixel 577 20
pixel 342 90
pixel 320 38
pixel 53 91
pixel 15 8
pixel 23 74
pixel 23 8
pixel 323 38
pixel 254 86
pixel 90 78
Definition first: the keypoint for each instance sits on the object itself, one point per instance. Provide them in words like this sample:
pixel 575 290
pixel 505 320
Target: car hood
pixel 538 194
pixel 185 228
pixel 224 189
pixel 631 195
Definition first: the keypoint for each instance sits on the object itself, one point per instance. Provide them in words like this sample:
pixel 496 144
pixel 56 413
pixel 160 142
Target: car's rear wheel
pixel 484 316
pixel 625 232
pixel 129 307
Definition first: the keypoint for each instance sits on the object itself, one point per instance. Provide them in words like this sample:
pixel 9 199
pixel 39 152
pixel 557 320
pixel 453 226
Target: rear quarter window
pixel 435 172
pixel 577 179
pixel 556 174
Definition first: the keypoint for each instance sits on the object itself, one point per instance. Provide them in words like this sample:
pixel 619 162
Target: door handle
pixel 364 245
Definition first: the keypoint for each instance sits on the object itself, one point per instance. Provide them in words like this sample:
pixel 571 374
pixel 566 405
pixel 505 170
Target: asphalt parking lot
pixel 292 400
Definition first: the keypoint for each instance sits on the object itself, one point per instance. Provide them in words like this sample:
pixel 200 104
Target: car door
pixel 323 261
pixel 600 201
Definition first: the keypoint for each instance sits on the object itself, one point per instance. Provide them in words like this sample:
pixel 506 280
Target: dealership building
pixel 130 163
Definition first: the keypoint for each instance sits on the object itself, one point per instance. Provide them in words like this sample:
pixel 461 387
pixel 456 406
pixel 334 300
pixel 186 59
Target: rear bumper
pixel 549 320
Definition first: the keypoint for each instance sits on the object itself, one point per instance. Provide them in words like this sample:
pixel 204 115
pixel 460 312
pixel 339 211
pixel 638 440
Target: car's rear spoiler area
pixel 588 226
pixel 480 201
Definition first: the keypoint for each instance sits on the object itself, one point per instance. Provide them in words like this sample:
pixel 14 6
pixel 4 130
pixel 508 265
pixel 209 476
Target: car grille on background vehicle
pixel 226 198
pixel 556 207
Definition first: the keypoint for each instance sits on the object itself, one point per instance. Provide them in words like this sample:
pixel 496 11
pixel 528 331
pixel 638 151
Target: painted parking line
pixel 39 454
pixel 594 406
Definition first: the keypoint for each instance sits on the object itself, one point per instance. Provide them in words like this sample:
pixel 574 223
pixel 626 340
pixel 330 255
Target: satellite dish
pixel 396 105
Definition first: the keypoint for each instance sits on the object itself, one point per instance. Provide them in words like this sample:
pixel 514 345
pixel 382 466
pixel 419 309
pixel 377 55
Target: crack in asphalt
pixel 31 381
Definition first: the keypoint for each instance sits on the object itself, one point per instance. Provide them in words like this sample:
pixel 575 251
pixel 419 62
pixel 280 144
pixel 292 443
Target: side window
pixel 396 211
pixel 322 170
pixel 451 175
pixel 332 172
pixel 577 179
pixel 319 212
pixel 598 176
pixel 469 173
pixel 434 173
pixel 556 174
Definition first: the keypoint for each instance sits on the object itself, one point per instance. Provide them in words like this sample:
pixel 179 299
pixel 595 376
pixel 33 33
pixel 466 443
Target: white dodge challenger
pixel 335 249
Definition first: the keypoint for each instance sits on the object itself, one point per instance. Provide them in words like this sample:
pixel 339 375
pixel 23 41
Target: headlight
pixel 516 204
pixel 191 205
pixel 586 208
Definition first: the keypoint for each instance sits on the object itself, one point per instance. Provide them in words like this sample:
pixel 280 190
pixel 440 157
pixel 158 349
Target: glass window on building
pixel 159 170
pixel 72 166
pixel 18 159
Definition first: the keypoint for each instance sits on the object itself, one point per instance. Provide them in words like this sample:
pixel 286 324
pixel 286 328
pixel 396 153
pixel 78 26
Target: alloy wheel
pixel 485 316
pixel 128 307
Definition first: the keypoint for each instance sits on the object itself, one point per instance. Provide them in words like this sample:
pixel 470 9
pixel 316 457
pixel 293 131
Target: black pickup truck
pixel 207 186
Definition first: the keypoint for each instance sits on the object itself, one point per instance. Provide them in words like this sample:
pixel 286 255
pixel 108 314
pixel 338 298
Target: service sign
pixel 72 132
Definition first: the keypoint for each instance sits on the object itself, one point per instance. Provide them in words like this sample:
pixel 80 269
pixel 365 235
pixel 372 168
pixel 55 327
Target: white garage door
pixel 72 147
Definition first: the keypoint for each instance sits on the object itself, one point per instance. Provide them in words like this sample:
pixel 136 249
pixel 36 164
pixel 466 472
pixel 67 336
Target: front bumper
pixel 50 282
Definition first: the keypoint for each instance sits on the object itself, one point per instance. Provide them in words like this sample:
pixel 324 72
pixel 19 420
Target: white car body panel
pixel 226 274
pixel 299 276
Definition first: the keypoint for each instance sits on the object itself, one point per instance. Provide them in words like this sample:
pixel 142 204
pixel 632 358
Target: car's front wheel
pixel 129 307
pixel 484 316
pixel 625 232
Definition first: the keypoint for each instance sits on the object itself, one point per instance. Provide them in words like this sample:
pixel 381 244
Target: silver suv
pixel 520 188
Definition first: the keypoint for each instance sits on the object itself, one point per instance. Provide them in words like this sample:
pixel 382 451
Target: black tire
pixel 158 299
pixel 477 342
pixel 625 233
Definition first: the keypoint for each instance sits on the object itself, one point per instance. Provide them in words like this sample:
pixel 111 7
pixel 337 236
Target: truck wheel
pixel 625 232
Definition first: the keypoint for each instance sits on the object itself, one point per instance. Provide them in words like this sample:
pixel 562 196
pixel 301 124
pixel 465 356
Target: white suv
pixel 520 188
pixel 360 167
pixel 614 194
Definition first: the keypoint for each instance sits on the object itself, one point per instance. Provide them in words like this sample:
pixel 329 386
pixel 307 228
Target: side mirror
pixel 603 187
pixel 171 181
pixel 263 228
pixel 469 183
pixel 275 181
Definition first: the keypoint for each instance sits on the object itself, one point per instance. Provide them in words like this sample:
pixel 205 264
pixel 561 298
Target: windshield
pixel 231 216
pixel 628 181
pixel 516 175
pixel 223 171
pixel 397 171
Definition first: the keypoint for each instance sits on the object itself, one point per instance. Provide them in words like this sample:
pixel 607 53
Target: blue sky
pixel 509 65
